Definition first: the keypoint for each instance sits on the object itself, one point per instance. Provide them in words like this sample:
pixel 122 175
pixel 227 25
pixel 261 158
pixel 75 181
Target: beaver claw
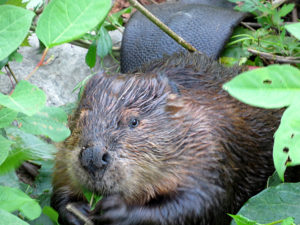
pixel 111 210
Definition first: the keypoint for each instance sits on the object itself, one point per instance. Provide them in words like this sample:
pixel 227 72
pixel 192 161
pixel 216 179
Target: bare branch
pixel 276 58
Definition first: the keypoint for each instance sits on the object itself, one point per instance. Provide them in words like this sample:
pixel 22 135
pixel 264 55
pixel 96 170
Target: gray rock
pixel 60 76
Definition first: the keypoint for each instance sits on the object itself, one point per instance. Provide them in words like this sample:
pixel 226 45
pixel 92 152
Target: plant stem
pixel 248 26
pixel 39 64
pixel 275 222
pixel 276 58
pixel 11 72
pixel 162 26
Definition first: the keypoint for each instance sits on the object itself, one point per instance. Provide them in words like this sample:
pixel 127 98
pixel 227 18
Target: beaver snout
pixel 94 159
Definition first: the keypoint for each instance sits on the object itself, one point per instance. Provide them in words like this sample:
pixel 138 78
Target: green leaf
pixel 286 9
pixel 287 140
pixel 51 213
pixel 4 149
pixel 288 221
pixel 2 2
pixel 12 199
pixel 69 107
pixel 3 62
pixel 7 116
pixel 241 220
pixel 294 29
pixel 90 58
pixel 116 18
pixel 274 180
pixel 43 182
pixel 274 204
pixel 26 98
pixel 26 147
pixel 14 26
pixel 10 219
pixel 63 21
pixel 10 179
pixel 104 44
pixel 50 121
pixel 274 86
pixel 37 148
pixel 16 3
pixel 16 56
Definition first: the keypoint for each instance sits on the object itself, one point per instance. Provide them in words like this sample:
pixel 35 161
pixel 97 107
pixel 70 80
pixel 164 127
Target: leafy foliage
pixel 13 29
pixel 274 86
pixel 271 38
pixel 26 98
pixel 71 20
pixel 14 199
pixel 24 117
pixel 273 204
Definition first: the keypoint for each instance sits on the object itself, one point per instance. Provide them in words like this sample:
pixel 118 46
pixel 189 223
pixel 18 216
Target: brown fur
pixel 196 154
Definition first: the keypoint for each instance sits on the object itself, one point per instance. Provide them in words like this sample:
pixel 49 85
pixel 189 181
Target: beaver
pixel 166 145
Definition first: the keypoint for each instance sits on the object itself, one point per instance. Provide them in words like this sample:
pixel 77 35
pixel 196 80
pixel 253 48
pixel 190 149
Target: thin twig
pixel 77 213
pixel 9 77
pixel 248 26
pixel 295 15
pixel 11 72
pixel 276 58
pixel 162 26
pixel 256 25
pixel 38 65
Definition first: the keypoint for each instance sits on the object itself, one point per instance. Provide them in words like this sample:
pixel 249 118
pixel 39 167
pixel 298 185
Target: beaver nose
pixel 94 159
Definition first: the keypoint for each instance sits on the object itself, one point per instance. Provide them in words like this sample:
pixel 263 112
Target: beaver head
pixel 128 136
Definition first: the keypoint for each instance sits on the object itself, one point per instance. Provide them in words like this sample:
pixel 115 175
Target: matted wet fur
pixel 166 145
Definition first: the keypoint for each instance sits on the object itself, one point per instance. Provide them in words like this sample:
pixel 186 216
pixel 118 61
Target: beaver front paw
pixel 111 210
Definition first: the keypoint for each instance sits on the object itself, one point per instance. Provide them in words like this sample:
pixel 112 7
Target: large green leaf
pixel 14 26
pixel 294 29
pixel 65 20
pixel 274 86
pixel 39 149
pixel 287 140
pixel 12 199
pixel 51 213
pixel 50 121
pixel 26 98
pixel 10 219
pixel 274 203
pixel 4 148
pixel 7 116
pixel 26 147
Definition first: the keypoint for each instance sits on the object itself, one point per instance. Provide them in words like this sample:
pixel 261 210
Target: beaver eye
pixel 134 122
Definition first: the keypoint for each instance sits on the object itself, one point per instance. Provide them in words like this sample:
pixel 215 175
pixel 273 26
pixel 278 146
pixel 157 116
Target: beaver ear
pixel 174 104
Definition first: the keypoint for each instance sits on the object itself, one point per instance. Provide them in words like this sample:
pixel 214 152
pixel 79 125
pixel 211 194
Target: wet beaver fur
pixel 164 146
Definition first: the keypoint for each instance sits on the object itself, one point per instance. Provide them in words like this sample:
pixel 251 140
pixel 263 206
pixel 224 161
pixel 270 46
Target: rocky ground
pixel 60 76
